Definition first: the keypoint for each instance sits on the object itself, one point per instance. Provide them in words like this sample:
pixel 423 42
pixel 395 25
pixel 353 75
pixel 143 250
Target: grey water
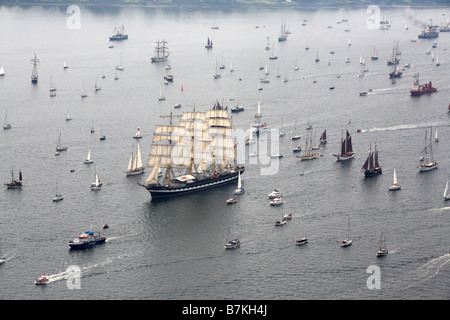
pixel 174 249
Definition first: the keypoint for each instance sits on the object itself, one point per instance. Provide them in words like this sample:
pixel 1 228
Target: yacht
pixel 274 194
pixel 301 241
pixel 276 201
pixel 232 244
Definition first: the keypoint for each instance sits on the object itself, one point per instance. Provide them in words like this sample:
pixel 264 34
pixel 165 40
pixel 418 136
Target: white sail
pixel 395 178
pixel 153 176
pixel 446 194
pixel 239 181
pixel 138 157
pixel 130 163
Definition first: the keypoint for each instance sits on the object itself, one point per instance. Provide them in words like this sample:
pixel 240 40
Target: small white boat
pixel 281 222
pixel 301 241
pixel 68 117
pixel 446 193
pixel 282 133
pixel 58 197
pixel 137 135
pixel 277 155
pixel 65 66
pixel 274 194
pixel 88 158
pixel 287 216
pixel 276 201
pixel 232 244
pixel 395 185
pixel 231 200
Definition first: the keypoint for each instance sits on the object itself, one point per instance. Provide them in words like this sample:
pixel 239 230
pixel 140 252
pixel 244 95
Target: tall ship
pixel 161 51
pixel 420 89
pixel 119 33
pixel 194 155
pixel 34 73
pixel 283 34
pixel 371 167
pixel 346 149
pixel 429 34
pixel 394 60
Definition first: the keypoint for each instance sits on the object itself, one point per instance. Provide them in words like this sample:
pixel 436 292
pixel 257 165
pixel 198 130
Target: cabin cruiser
pixel 276 201
pixel 231 200
pixel 301 241
pixel 281 222
pixel 232 244
pixel 274 194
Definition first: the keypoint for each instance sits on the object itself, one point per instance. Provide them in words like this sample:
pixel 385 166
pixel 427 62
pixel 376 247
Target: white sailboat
pixel 96 86
pixel 88 158
pixel 59 147
pixel 52 87
pixel 135 165
pixel 65 66
pixel 137 135
pixel 161 97
pixel 58 196
pixel 295 135
pixel 2 71
pixel 120 67
pixel 395 185
pixel 97 184
pixel 429 162
pixel 446 192
pixel 348 241
pixel 239 189
pixel 436 139
pixel 83 92
pixel 258 113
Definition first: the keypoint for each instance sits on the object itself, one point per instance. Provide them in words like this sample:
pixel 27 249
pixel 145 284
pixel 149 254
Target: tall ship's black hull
pixel 161 192
pixel 370 173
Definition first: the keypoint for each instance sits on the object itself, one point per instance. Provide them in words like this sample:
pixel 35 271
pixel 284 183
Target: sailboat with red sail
pixel 346 149
pixel 209 44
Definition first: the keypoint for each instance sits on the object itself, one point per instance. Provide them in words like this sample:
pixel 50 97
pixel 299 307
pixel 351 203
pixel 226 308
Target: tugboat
pixel 422 88
pixel 43 280
pixel 87 239
pixel 429 34
pixel 119 33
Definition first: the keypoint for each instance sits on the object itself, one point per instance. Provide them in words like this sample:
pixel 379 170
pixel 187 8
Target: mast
pixel 34 73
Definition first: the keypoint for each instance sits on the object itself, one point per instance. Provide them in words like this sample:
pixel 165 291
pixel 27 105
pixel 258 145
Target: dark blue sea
pixel 174 249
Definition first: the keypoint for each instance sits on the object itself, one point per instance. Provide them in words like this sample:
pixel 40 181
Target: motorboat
pixel 287 216
pixel 297 149
pixel 345 243
pixel 274 194
pixel 87 239
pixel 231 200
pixel 58 197
pixel 276 201
pixel 42 280
pixel 301 241
pixel 232 244
pixel 279 223
pixel 277 155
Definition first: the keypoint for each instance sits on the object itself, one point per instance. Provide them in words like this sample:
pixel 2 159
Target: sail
pixel 446 190
pixel 130 163
pixel 153 176
pixel 395 178
pixel 138 157
pixel 239 181
pixel 349 147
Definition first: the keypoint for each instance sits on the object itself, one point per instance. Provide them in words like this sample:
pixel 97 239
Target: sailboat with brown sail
pixel 346 152
pixel 371 167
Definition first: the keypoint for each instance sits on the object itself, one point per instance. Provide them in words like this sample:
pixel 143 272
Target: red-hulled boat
pixel 422 88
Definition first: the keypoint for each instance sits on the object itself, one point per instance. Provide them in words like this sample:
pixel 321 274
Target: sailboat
pixel 283 35
pixel 97 184
pixel 58 196
pixel 209 44
pixel 6 125
pixel 14 184
pixel 83 92
pixel 135 165
pixel 52 87
pixel 382 250
pixel 217 75
pixel 346 152
pixel 88 158
pixel 446 192
pixel 120 66
pixel 323 137
pixel 437 61
pixel 59 147
pixel 2 71
pixel 429 162
pixel 34 73
pixel 308 155
pixel 222 66
pixel 161 97
pixel 65 66
pixel 375 54
pixel 96 86
pixel 182 173
pixel 161 52
pixel 395 185
pixel 371 167
pixel 239 189
pixel 317 56
pixel 137 135
pixel 258 113
pixel 348 241
pixel 295 135
pixel 273 56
